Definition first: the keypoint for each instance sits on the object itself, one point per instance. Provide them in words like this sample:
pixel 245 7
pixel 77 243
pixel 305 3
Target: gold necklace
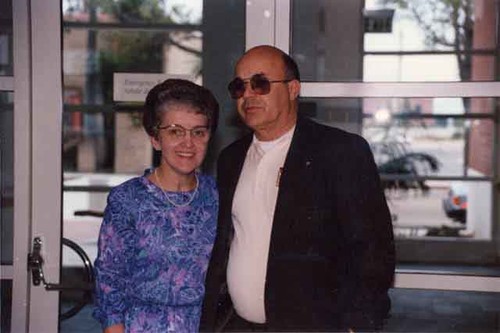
pixel 173 203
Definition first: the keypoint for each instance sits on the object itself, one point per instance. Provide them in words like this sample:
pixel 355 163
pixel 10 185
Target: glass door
pixel 426 106
pixel 6 163
pixel 103 142
pixel 74 140
pixel 35 182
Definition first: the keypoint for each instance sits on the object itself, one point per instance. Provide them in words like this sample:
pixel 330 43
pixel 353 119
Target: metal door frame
pixel 37 159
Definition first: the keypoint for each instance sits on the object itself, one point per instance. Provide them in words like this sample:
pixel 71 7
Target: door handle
pixel 35 265
pixel 35 262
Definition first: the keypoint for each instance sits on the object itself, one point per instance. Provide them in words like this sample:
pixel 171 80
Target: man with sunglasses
pixel 304 239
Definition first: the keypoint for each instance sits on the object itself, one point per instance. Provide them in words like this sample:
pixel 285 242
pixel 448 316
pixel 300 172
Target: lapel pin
pixel 280 172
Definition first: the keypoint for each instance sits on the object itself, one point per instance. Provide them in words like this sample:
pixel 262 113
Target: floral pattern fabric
pixel 153 256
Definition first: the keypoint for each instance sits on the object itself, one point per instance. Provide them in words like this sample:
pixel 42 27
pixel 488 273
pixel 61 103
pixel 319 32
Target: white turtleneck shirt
pixel 252 214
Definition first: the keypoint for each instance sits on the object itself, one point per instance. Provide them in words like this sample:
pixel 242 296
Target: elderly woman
pixel 158 229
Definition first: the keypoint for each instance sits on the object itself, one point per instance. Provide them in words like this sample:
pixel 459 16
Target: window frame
pixel 429 250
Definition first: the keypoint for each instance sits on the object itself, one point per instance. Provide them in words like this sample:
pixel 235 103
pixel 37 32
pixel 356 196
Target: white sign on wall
pixel 133 87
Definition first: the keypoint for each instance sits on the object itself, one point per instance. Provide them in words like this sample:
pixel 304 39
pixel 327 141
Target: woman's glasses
pixel 260 84
pixel 176 133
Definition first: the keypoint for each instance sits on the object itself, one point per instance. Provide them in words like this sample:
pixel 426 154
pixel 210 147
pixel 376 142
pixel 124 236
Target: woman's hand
pixel 118 328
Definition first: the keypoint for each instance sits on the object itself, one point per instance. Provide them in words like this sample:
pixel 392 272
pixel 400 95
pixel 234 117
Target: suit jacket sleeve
pixel 215 296
pixel 370 250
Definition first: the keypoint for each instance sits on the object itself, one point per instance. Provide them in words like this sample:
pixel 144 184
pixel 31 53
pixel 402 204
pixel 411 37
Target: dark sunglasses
pixel 260 84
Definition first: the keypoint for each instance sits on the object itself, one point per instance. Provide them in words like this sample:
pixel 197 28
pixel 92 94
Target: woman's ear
pixel 155 143
pixel 294 89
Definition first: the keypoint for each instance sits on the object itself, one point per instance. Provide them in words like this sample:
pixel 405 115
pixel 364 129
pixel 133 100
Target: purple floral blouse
pixel 153 256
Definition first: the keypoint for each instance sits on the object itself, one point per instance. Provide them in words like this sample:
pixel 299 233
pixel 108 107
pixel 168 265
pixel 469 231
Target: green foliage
pixel 134 51
pixel 136 10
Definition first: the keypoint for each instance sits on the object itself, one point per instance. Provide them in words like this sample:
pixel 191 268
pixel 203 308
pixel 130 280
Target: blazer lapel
pixel 295 170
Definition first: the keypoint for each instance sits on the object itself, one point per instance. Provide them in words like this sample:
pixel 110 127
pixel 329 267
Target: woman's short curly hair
pixel 175 92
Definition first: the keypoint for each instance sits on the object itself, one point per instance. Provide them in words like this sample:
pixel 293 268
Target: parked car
pixel 455 202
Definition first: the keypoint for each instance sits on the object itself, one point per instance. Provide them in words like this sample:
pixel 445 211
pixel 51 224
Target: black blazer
pixel 331 258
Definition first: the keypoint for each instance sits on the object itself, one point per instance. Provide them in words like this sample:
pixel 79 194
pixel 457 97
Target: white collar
pixel 266 146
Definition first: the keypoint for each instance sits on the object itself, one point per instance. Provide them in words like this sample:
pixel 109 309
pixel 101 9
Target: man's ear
pixel 294 89
pixel 155 143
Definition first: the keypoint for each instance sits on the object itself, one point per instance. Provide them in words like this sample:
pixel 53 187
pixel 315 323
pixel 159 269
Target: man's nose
pixel 248 90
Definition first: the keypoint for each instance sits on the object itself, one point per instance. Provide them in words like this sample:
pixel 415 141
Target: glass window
pixel 6 64
pixel 438 209
pixel 452 143
pixel 92 56
pixel 108 11
pixel 6 176
pixel 96 138
pixel 421 106
pixel 435 159
pixel 430 68
pixel 104 143
pixel 400 41
pixel 5 305
pixel 101 135
pixel 431 25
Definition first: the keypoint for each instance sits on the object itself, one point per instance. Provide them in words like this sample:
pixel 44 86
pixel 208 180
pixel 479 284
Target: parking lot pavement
pixel 416 213
pixel 415 208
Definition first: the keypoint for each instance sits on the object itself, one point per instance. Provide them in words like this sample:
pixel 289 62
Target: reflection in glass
pixel 91 58
pixel 430 68
pixel 447 146
pixel 327 39
pixel 6 176
pixel 103 140
pixel 104 143
pixel 430 147
pixel 5 305
pixel 417 147
pixel 393 40
pixel 416 142
pixel 440 208
pixel 122 11
pixel 82 213
pixel 6 42
pixel 430 131
pixel 425 106
pixel 81 217
pixel 435 25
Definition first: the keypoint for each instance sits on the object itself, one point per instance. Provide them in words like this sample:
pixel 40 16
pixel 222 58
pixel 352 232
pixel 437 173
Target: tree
pixel 139 51
pixel 136 11
pixel 446 24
